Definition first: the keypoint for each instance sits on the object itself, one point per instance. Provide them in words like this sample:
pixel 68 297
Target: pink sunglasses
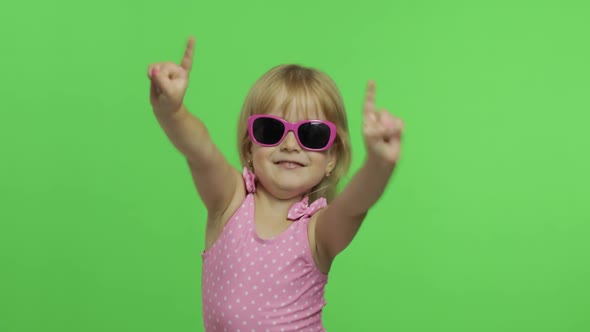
pixel 270 130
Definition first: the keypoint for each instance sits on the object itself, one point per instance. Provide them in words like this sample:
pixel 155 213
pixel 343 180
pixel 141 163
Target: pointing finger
pixel 369 107
pixel 187 59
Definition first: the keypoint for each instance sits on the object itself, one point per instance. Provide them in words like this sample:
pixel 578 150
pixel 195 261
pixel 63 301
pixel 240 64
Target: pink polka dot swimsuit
pixel 254 284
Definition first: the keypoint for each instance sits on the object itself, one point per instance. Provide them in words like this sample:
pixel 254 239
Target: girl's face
pixel 287 170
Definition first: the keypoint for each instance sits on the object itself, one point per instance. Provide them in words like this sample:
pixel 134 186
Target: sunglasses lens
pixel 267 130
pixel 314 135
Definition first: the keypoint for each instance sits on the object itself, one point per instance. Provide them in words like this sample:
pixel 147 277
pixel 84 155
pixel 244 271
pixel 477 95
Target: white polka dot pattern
pixel 254 284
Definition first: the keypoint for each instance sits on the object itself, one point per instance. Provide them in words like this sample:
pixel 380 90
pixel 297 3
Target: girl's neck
pixel 272 205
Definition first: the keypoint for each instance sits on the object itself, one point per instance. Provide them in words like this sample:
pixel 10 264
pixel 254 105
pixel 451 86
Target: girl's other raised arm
pixel 215 179
pixel 341 220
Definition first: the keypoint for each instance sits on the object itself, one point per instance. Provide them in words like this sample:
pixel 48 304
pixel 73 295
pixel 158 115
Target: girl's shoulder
pixel 243 189
pixel 216 223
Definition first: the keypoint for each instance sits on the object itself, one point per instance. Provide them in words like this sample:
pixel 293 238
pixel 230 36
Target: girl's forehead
pixel 295 115
pixel 294 110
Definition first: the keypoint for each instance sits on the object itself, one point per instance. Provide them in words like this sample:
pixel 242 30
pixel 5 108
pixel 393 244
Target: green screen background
pixel 484 227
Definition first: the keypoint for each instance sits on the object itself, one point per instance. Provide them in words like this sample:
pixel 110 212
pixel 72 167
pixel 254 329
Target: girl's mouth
pixel 289 164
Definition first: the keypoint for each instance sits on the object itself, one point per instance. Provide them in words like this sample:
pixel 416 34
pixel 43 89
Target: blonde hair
pixel 313 92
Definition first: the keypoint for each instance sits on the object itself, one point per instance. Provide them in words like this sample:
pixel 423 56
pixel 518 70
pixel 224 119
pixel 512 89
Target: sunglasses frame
pixel 290 126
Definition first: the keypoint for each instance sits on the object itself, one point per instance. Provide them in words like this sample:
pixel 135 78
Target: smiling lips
pixel 289 164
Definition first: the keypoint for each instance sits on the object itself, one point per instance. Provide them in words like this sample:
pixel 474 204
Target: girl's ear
pixel 248 153
pixel 249 159
pixel 332 157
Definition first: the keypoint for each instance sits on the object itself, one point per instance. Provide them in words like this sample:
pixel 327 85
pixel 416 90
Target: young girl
pixel 274 229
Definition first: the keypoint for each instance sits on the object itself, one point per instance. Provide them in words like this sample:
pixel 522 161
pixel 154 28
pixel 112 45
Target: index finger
pixel 187 59
pixel 369 106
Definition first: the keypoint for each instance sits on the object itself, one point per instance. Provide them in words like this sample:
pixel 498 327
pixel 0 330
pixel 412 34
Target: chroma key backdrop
pixel 484 227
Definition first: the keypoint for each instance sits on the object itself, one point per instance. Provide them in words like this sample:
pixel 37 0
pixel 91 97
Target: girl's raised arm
pixel 216 180
pixel 337 225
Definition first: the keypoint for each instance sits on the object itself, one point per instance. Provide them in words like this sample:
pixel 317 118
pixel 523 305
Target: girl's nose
pixel 290 143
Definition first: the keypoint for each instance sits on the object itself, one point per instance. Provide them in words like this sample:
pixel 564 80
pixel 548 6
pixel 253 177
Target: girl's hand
pixel 169 82
pixel 382 131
